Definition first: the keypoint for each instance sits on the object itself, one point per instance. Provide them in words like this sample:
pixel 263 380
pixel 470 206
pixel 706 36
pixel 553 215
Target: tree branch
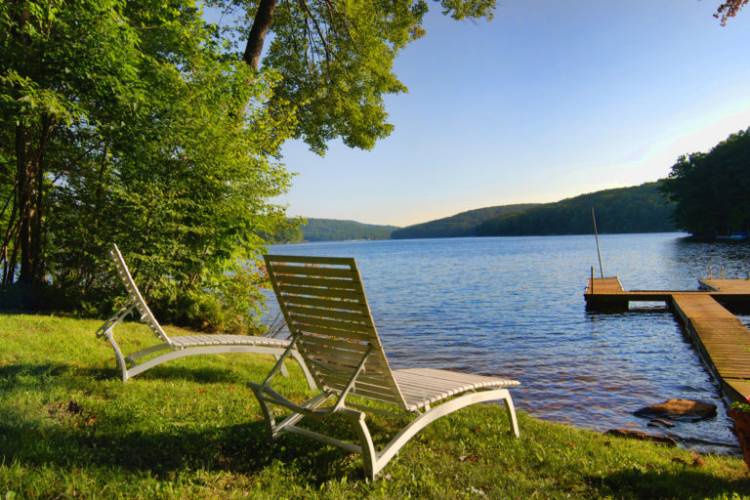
pixel 728 9
pixel 257 36
pixel 323 42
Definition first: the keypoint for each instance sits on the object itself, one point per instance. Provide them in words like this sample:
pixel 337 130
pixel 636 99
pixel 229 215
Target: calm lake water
pixel 513 306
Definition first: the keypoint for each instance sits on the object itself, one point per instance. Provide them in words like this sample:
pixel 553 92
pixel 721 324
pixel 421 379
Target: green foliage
pixel 152 138
pixel 136 122
pixel 710 189
pixel 638 209
pixel 339 230
pixel 289 232
pixel 336 60
pixel 462 224
pixel 191 429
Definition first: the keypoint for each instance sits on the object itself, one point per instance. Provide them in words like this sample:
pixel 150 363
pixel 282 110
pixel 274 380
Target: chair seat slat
pixel 320 312
pixel 344 326
pixel 293 290
pixel 312 271
pixel 320 282
pixel 307 259
pixel 335 304
pixel 318 330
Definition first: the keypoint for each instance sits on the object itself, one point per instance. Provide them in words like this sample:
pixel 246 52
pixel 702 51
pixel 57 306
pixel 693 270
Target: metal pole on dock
pixel 596 236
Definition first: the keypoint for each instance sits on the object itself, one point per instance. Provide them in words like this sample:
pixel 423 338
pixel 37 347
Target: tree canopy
pixel 140 123
pixel 710 189
pixel 123 122
pixel 336 58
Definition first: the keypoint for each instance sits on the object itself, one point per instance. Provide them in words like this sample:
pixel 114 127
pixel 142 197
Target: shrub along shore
pixel 69 426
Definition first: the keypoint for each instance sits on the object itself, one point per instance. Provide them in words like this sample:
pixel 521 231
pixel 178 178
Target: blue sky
pixel 548 100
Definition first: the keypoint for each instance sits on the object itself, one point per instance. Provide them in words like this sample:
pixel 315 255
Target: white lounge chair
pixel 324 305
pixel 183 345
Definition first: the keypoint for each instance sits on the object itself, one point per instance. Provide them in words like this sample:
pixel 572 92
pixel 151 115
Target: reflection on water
pixel 514 307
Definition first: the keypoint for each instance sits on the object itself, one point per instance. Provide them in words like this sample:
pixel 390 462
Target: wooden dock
pixel 721 339
pixel 608 294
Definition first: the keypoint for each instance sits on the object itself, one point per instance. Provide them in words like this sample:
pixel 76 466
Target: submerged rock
pixel 683 410
pixel 660 422
pixel 643 436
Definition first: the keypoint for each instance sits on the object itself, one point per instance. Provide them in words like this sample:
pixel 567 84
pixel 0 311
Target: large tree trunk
pixel 29 177
pixel 29 196
pixel 37 233
pixel 257 36
pixel 23 201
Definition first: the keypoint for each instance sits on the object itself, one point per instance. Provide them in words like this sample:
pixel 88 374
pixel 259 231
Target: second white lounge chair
pixel 324 305
pixel 184 345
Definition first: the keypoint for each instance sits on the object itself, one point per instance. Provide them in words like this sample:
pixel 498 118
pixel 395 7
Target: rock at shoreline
pixel 643 436
pixel 681 410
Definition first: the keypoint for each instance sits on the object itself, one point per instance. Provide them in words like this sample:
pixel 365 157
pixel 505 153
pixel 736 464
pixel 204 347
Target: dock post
pixel 596 236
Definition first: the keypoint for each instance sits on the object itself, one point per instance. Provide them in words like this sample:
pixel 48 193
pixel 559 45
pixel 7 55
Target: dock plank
pixel 604 285
pixel 726 285
pixel 723 339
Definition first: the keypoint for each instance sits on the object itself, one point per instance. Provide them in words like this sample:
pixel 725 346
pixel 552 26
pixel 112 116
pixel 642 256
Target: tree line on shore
pixel 710 190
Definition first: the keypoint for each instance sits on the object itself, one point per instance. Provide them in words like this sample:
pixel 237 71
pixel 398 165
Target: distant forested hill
pixel 462 224
pixel 333 229
pixel 637 209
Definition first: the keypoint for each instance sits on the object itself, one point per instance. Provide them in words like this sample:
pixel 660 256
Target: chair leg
pixel 121 363
pixel 369 455
pixel 511 409
pixel 284 371
pixel 305 370
pixel 267 415
pixel 436 412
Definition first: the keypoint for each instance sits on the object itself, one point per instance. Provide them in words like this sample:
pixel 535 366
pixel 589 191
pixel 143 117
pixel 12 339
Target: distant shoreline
pixel 685 235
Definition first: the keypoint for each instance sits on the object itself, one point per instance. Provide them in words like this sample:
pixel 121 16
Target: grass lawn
pixel 191 428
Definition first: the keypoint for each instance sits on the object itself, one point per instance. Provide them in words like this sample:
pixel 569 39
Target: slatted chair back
pixel 135 295
pixel 326 310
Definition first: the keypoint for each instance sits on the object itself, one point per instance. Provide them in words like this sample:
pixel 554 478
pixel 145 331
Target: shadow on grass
pixel 202 375
pixel 71 437
pixel 241 448
pixel 38 370
pixel 688 483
